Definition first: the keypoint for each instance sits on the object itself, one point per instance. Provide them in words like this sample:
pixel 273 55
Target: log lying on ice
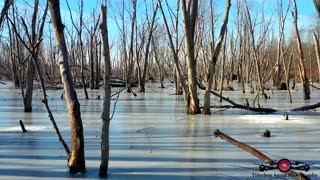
pixel 256 153
pixel 236 105
pixel 306 108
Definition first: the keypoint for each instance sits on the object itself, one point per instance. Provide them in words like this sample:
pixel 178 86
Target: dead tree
pixel 281 20
pixel 130 62
pixel 80 43
pixel 6 6
pixel 189 16
pixel 178 73
pixel 76 161
pixel 146 55
pixel 30 69
pixel 317 50
pixel 214 54
pixel 303 74
pixel 105 116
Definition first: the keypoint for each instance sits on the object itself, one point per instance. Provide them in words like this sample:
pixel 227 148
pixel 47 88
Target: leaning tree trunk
pixel 107 94
pixel 4 10
pixel 214 54
pixel 76 161
pixel 303 74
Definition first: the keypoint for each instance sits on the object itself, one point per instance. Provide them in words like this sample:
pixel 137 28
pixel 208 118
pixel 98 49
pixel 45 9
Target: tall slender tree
pixel 76 161
pixel 105 116
pixel 214 54
pixel 189 15
pixel 303 74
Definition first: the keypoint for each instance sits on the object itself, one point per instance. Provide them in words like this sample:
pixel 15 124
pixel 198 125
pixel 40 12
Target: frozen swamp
pixel 152 137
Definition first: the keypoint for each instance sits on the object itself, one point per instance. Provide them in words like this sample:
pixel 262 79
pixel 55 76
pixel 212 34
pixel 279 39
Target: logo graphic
pixel 284 165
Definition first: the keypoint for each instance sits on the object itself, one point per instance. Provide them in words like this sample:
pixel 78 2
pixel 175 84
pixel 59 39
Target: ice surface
pixel 153 138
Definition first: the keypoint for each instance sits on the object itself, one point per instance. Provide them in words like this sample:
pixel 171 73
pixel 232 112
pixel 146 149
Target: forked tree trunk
pixel 214 54
pixel 189 16
pixel 76 161
pixel 303 74
pixel 107 93
pixel 146 55
pixel 30 69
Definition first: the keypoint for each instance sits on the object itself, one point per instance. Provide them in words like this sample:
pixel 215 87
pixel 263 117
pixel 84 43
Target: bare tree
pixel 105 116
pixel 80 43
pixel 76 161
pixel 130 62
pixel 189 15
pixel 178 73
pixel 6 6
pixel 303 74
pixel 146 55
pixel 214 54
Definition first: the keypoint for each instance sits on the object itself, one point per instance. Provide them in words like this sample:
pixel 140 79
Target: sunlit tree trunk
pixel 189 16
pixel 76 162
pixel 107 93
pixel 146 55
pixel 214 54
pixel 303 74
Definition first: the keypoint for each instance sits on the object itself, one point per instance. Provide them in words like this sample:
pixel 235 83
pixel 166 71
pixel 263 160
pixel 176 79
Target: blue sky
pixel 306 10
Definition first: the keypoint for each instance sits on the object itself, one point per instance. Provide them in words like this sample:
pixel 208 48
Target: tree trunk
pixel 76 161
pixel 105 116
pixel 317 49
pixel 189 16
pixel 4 10
pixel 30 70
pixel 214 54
pixel 303 74
pixel 146 55
pixel 179 77
pixel 131 62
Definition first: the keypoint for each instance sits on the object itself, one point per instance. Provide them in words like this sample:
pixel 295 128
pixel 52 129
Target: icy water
pixel 153 138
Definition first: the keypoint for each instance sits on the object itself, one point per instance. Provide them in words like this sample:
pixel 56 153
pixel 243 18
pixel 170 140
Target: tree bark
pixel 76 161
pixel 303 74
pixel 105 116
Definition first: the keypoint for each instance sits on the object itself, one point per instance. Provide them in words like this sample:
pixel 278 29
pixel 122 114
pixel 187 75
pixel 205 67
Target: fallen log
pixel 306 108
pixel 256 153
pixel 236 105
